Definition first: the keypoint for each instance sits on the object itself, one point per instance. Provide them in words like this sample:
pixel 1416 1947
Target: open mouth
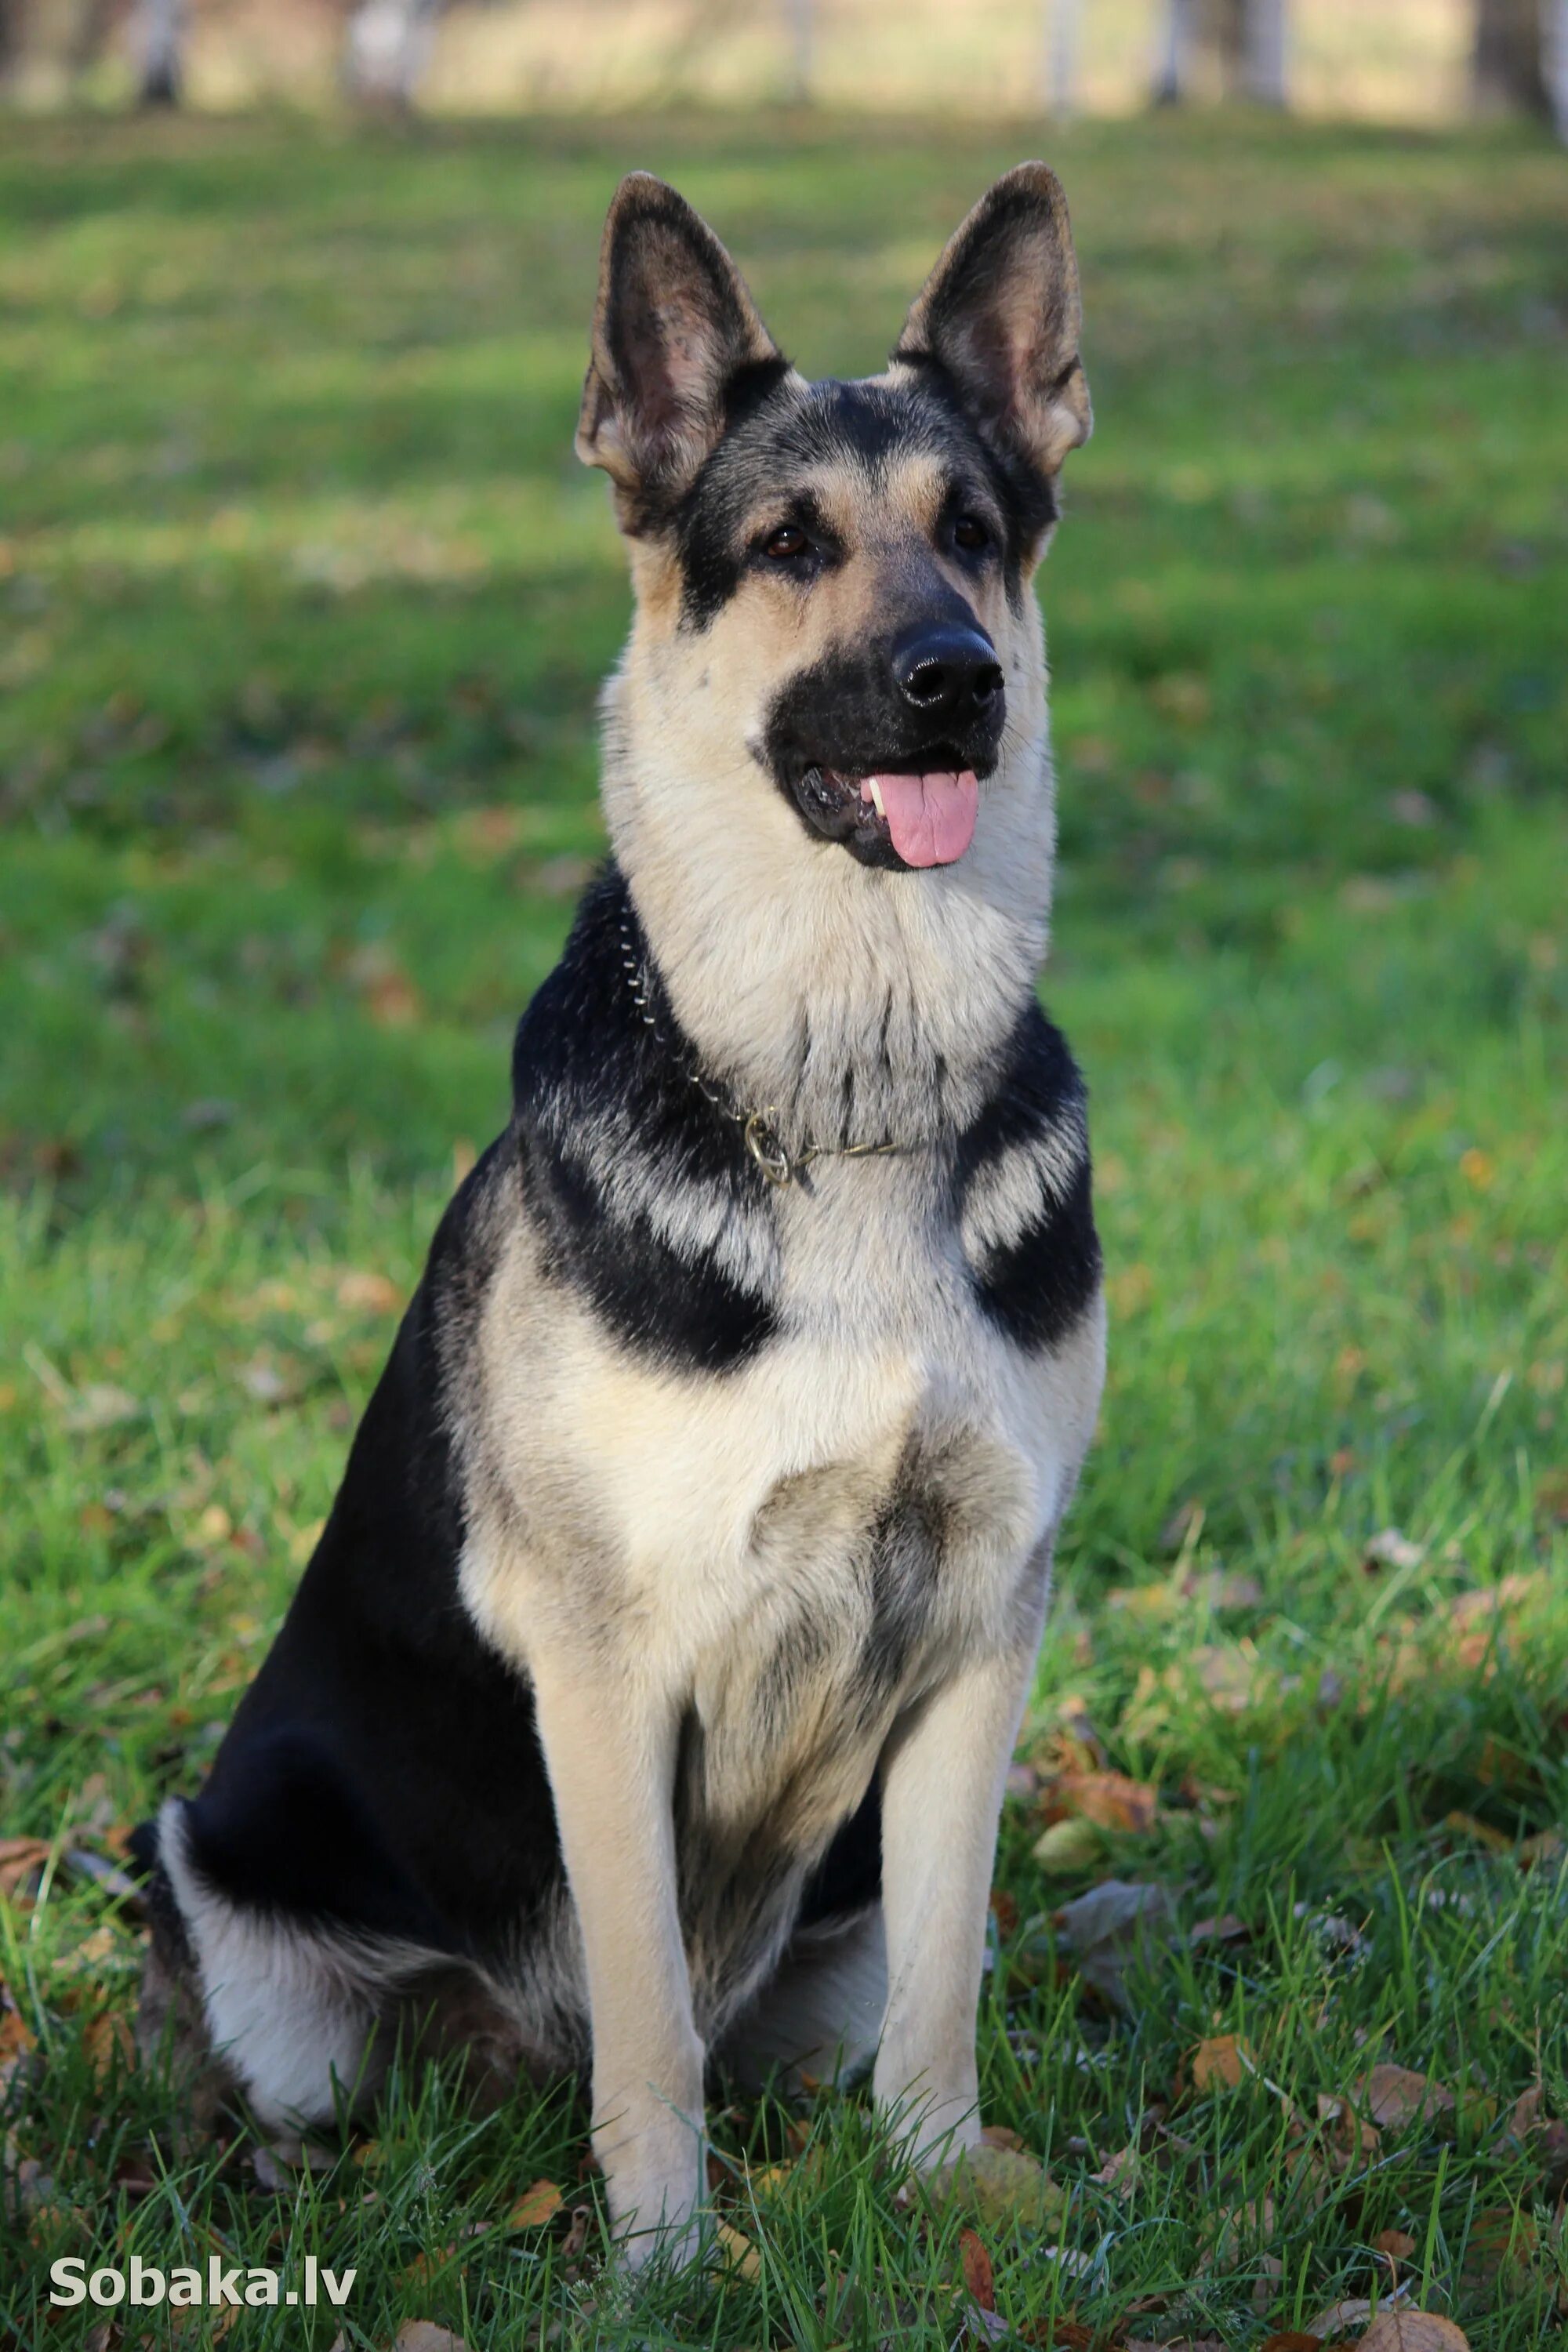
pixel 894 817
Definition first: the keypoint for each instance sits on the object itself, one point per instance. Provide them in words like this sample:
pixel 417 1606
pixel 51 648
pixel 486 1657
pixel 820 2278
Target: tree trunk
pixel 160 38
pixel 1173 65
pixel 1554 64
pixel 386 50
pixel 1265 37
pixel 1059 57
pixel 801 30
pixel 1507 67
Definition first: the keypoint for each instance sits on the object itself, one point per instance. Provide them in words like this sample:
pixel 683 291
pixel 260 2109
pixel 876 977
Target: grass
pixel 304 603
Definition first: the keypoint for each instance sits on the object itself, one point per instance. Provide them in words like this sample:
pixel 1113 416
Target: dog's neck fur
pixel 857 1006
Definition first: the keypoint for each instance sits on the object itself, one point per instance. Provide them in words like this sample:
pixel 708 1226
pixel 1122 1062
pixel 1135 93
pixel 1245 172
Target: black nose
pixel 947 671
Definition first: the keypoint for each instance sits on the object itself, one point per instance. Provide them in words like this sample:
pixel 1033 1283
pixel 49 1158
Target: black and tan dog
pixel 648 1699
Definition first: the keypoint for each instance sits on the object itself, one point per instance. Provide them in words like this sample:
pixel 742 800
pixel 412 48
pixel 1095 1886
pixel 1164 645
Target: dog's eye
pixel 783 545
pixel 970 533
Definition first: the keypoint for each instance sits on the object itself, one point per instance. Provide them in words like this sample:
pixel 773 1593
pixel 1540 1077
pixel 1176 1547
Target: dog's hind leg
pixel 287 2010
pixel 821 2014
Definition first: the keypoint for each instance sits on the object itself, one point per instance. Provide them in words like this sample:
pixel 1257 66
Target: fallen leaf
pixel 1395 2243
pixel 1503 2246
pixel 1465 1825
pixel 19 1858
pixel 576 2237
pixel 1223 2062
pixel 1265 2285
pixel 996 2184
pixel 1068 1845
pixel 1002 2135
pixel 1059 2335
pixel 1392 1548
pixel 1392 2096
pixel 373 1293
pixel 1068 2260
pixel 978 2275
pixel 740 2255
pixel 1110 1799
pixel 1353 2312
pixel 1106 1927
pixel 424 2335
pixel 1292 2339
pixel 535 2206
pixel 1177 2344
pixel 14 2038
pixel 1119 2173
pixel 100 1405
pixel 1413 2331
pixel 1226 1930
pixel 109 2037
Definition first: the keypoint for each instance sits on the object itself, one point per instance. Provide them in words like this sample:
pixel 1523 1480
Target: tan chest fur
pixel 790 1550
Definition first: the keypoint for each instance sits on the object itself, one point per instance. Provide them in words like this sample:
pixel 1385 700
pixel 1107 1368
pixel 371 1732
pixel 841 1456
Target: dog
pixel 647 1704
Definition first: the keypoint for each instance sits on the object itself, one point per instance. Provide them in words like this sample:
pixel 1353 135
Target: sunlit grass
pixel 302 607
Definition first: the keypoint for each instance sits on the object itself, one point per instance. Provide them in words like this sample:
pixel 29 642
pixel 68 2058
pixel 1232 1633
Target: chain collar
pixel 758 1129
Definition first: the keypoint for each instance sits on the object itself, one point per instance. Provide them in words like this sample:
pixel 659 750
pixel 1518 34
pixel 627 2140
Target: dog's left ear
pixel 1000 315
pixel 675 327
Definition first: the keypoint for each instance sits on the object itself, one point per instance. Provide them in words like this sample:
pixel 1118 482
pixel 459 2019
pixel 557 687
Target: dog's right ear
pixel 674 328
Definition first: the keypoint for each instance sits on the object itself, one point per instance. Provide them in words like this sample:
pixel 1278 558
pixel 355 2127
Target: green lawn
pixel 302 604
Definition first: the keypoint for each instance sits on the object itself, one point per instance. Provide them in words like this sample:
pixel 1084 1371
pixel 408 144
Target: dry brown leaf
pixel 1395 2243
pixel 535 2205
pixel 371 1293
pixel 19 1858
pixel 1119 2173
pixel 1503 2245
pixel 1002 2135
pixel 1222 2062
pixel 1392 2096
pixel 979 2277
pixel 1292 2339
pixel 1354 2311
pixel 740 2255
pixel 425 2335
pixel 1228 1930
pixel 16 2041
pixel 1413 2331
pixel 109 2037
pixel 1481 1832
pixel 1110 1799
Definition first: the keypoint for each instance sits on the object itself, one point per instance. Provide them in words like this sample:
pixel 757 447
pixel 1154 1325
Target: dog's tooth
pixel 876 797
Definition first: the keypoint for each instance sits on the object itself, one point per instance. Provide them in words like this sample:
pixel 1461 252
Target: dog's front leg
pixel 943 1773
pixel 610 1751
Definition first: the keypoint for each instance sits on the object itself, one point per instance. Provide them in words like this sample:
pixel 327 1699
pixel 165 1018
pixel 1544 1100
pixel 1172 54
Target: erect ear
pixel 673 329
pixel 1000 314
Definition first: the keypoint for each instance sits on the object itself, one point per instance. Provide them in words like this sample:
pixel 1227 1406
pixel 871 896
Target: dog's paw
pixel 657 2230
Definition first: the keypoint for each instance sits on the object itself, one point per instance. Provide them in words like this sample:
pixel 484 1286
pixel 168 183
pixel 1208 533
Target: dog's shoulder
pixel 645 1198
pixel 1022 1190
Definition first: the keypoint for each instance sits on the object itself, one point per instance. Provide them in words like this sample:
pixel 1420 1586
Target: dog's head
pixel 835 615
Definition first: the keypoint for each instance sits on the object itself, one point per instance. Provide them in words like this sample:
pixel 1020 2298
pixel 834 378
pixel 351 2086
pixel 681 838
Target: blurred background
pixel 1391 60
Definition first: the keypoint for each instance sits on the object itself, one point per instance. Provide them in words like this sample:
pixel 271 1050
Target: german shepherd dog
pixel 647 1702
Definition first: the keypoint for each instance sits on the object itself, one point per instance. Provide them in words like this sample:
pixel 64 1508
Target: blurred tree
pixel 1240 46
pixel 801 41
pixel 1505 58
pixel 387 48
pixel 160 31
pixel 1059 57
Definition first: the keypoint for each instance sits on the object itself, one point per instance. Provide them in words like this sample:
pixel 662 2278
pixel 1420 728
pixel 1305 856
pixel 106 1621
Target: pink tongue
pixel 930 818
